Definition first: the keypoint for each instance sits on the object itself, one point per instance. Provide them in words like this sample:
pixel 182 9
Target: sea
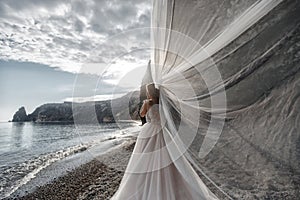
pixel 33 154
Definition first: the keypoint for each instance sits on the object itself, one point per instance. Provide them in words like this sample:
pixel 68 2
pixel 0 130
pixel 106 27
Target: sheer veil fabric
pixel 189 40
pixel 156 176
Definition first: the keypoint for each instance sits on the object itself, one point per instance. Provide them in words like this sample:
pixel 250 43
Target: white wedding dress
pixel 152 175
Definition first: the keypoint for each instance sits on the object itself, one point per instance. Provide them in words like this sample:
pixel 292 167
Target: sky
pixel 74 50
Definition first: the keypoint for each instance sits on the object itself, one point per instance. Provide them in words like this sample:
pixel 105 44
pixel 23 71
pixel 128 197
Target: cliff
pixel 64 112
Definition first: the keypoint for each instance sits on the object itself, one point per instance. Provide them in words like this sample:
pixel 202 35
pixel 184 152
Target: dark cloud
pixel 113 17
pixel 81 7
pixel 78 25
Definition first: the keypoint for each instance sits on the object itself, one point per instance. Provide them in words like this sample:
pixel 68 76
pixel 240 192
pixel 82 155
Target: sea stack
pixel 20 115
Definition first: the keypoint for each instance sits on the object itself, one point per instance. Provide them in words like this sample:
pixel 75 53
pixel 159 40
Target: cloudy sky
pixel 45 45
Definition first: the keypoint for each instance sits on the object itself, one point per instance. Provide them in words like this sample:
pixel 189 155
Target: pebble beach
pixel 98 179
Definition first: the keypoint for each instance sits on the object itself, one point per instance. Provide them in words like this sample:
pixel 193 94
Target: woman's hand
pixel 144 107
pixel 147 101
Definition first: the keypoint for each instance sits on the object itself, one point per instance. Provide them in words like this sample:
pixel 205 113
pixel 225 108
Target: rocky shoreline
pixel 96 179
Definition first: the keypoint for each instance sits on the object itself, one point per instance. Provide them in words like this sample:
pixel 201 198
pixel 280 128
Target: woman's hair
pixel 154 92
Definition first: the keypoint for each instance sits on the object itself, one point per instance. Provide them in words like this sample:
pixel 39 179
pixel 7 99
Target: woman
pixel 152 98
pixel 151 174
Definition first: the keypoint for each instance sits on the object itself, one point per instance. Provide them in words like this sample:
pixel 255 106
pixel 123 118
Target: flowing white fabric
pixel 195 58
pixel 157 177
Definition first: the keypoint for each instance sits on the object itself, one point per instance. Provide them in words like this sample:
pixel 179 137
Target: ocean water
pixel 29 149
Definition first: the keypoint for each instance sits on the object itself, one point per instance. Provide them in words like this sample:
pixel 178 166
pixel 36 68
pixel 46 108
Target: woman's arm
pixel 144 108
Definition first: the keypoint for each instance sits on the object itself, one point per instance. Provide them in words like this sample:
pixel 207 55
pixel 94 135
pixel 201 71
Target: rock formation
pixel 126 109
pixel 20 115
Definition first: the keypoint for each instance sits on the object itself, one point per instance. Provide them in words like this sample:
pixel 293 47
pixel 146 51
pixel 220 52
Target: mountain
pixel 123 108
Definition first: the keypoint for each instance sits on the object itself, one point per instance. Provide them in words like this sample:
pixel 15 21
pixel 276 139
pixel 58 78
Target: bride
pixel 151 173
